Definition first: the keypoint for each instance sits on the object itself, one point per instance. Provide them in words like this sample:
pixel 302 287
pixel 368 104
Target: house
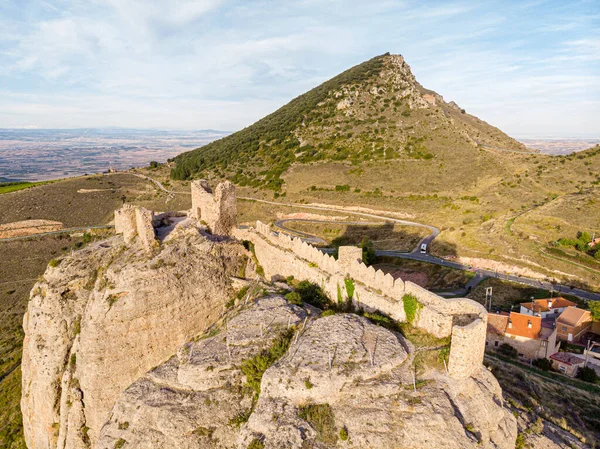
pixel 529 335
pixel 567 363
pixel 573 323
pixel 546 308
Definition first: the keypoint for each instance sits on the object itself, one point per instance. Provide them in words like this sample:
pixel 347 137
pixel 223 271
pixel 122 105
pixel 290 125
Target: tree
pixel 543 364
pixel 369 256
pixel 508 350
pixel 587 374
pixel 595 309
pixel 153 164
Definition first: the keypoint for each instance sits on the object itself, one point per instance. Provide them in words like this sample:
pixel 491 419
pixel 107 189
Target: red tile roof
pixel 541 305
pixel 519 325
pixel 569 359
pixel 497 323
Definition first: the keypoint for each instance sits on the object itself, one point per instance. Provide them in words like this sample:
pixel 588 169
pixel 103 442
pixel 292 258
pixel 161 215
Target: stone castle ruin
pixel 218 209
pixel 135 221
pixel 281 256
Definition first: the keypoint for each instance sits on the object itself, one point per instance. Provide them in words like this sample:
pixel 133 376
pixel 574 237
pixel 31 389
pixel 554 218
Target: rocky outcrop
pixel 105 316
pixel 131 346
pixel 358 374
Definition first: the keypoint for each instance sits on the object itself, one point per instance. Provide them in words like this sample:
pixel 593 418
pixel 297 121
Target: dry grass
pixel 572 409
pixel 507 295
pixel 23 261
pixel 383 236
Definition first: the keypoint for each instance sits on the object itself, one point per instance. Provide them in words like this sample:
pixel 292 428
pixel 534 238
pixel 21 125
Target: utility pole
pixel 488 299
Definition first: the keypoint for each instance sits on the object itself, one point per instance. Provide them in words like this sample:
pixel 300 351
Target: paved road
pixel 60 231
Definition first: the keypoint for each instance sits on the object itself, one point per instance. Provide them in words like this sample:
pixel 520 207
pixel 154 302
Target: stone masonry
pixel 464 320
pixel 218 209
pixel 135 221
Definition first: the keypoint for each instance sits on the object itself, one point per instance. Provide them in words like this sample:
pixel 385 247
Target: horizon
pixel 530 69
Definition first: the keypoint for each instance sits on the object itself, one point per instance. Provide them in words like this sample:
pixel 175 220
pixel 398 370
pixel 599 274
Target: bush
pixel 153 164
pixel 54 263
pixel 312 294
pixel 256 444
pixel 369 256
pixel 587 374
pixel 543 364
pixel 343 434
pixel 508 350
pixel 294 298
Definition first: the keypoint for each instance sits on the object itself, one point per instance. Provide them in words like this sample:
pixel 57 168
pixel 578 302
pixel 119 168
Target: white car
pixel 423 248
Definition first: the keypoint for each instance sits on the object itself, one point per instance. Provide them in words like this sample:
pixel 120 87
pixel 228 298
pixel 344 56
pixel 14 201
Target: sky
pixel 531 67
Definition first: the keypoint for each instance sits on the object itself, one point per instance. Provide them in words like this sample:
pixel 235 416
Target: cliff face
pixel 104 317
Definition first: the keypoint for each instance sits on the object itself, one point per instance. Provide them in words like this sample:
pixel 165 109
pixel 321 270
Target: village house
pixel 531 336
pixel 546 308
pixel 573 323
pixel 567 363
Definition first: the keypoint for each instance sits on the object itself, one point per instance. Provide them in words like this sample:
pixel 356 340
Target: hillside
pixel 374 111
pixel 374 137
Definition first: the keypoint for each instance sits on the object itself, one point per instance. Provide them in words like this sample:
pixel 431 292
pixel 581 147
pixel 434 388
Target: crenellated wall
pixel 463 319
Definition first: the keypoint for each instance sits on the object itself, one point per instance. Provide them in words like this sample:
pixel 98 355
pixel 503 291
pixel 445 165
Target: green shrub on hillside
pixel 270 141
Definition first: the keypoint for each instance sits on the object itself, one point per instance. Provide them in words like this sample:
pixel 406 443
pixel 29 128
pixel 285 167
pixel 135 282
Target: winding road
pixel 415 254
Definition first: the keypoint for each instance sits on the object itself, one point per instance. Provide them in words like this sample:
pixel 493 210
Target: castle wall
pixel 463 319
pixel 125 222
pixel 145 230
pixel 135 221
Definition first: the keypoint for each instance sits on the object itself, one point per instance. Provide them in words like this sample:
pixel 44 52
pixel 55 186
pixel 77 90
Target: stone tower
pixel 217 209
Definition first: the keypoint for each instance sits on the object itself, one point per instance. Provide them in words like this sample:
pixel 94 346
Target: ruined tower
pixel 217 209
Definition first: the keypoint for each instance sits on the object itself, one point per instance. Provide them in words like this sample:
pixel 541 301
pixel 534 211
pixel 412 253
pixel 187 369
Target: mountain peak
pixel 373 111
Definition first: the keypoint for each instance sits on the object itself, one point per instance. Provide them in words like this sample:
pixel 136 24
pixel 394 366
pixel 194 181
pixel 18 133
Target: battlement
pixel 462 319
pixel 218 209
pixel 135 221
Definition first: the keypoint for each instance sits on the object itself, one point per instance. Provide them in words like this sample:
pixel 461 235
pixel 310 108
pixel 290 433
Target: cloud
pixel 226 63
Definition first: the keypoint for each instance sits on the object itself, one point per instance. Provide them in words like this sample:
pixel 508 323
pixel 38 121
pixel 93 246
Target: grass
pixel 321 417
pixel 570 404
pixel 411 307
pixel 254 367
pixel 8 187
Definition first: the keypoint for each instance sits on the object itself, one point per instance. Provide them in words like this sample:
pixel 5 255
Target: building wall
pixel 576 332
pixel 569 370
pixel 465 320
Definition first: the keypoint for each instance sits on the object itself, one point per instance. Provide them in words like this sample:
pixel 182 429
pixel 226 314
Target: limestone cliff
pixel 130 346
pixel 106 315
pixel 357 374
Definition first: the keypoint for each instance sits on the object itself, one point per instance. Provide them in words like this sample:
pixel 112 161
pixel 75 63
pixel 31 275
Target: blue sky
pixel 532 68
